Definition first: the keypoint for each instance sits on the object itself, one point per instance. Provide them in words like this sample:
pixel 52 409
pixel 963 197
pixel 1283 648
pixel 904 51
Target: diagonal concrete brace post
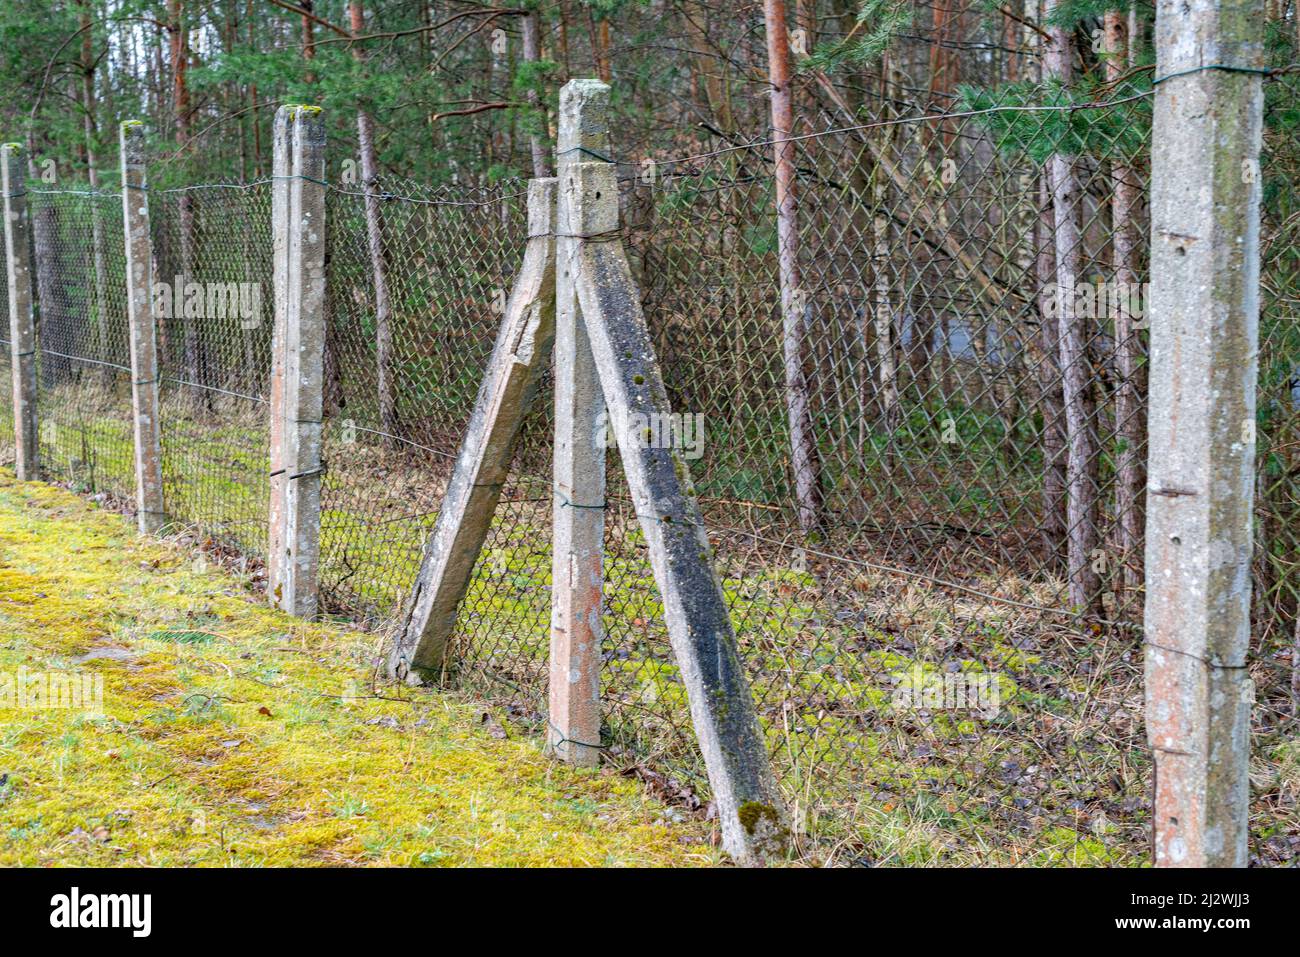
pixel 142 330
pixel 1204 314
pixel 22 324
pixel 521 353
pixel 750 808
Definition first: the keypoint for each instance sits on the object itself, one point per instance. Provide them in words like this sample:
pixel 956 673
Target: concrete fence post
pixel 1204 313
pixel 22 324
pixel 280 176
pixel 142 330
pixel 299 342
pixel 577 558
pixel 751 812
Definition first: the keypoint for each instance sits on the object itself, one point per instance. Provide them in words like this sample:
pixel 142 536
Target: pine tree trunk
pixel 533 53
pixel 97 254
pixel 803 449
pixel 1072 338
pixel 1049 387
pixel 1128 404
pixel 384 385
pixel 195 370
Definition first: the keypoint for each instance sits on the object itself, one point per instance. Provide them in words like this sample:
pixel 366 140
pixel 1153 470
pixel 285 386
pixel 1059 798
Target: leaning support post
pixel 302 344
pixel 22 326
pixel 1204 314
pixel 142 331
pixel 750 809
pixel 577 557
pixel 521 354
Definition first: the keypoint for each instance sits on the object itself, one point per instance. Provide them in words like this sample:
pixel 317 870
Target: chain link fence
pixel 83 397
pixel 1275 668
pixel 948 666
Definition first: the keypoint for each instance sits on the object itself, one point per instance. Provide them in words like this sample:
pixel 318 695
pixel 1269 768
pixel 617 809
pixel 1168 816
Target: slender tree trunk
pixel 884 312
pixel 794 306
pixel 308 38
pixel 564 42
pixel 90 130
pixel 868 193
pixel 180 54
pixel 51 330
pixel 385 386
pixel 1049 386
pixel 1073 337
pixel 695 20
pixel 883 306
pixel 1128 405
pixel 606 67
pixel 533 53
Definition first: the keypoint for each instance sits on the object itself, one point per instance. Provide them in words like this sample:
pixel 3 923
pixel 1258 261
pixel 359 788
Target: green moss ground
pixel 1058 776
pixel 234 735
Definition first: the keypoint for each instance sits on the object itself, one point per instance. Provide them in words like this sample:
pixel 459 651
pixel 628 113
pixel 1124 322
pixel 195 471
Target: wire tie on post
pixel 563 739
pixel 608 236
pixel 583 149
pixel 566 503
pixel 1224 67
pixel 309 179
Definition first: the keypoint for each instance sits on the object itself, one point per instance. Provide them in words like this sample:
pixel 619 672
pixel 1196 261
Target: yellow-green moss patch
pixel 232 734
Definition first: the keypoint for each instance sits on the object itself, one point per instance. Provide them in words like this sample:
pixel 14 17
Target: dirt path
pixel 232 734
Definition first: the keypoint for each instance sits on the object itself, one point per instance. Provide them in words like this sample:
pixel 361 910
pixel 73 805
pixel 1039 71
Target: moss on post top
pixel 11 159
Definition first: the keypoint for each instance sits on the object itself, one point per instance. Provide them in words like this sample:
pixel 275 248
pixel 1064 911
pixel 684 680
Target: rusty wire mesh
pixel 939 567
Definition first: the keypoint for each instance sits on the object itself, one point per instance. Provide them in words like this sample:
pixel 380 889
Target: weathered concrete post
pixel 521 354
pixel 750 809
pixel 142 330
pixel 577 559
pixel 22 325
pixel 302 344
pixel 281 167
pixel 1204 332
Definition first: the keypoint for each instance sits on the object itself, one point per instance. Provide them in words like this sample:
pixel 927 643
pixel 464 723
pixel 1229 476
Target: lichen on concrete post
pixel 751 812
pixel 300 406
pixel 578 541
pixel 1204 313
pixel 22 324
pixel 280 176
pixel 142 331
